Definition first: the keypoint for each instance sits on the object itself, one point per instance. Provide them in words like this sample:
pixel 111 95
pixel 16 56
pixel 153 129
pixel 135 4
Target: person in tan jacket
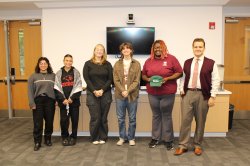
pixel 126 74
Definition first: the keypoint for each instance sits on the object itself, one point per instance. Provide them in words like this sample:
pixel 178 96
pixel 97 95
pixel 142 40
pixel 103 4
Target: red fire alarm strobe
pixel 212 25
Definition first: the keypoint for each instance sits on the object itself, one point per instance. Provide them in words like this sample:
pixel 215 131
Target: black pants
pixel 64 121
pixel 98 109
pixel 45 109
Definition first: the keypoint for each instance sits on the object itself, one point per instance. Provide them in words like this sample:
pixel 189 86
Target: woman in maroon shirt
pixel 161 98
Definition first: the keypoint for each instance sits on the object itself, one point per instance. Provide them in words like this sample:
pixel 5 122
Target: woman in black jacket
pixel 97 73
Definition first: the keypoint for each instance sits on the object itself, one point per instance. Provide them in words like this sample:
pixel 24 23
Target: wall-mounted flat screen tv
pixel 141 38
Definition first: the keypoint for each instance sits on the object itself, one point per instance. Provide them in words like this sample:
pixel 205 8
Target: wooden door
pixel 25 49
pixel 237 61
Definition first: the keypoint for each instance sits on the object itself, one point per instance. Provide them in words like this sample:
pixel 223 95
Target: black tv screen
pixel 141 38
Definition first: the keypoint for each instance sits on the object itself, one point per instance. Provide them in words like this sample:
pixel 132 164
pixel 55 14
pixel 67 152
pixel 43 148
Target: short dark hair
pixel 37 69
pixel 67 55
pixel 199 40
pixel 128 45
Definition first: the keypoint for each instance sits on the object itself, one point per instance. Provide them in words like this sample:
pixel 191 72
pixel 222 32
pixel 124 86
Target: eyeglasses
pixel 43 64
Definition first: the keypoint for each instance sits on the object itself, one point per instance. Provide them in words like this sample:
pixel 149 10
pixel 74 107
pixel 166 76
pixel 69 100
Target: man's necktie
pixel 195 74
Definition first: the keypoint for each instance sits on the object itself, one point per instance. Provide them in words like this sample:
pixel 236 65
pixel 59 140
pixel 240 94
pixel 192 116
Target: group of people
pixel 45 90
pixel 199 81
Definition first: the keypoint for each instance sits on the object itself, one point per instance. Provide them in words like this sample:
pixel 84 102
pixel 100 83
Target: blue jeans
pixel 121 107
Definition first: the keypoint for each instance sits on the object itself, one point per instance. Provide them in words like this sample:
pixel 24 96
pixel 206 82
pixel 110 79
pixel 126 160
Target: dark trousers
pixel 98 109
pixel 45 109
pixel 64 121
pixel 162 123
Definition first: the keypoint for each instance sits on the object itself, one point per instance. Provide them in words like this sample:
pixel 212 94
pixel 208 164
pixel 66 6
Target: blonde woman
pixel 97 73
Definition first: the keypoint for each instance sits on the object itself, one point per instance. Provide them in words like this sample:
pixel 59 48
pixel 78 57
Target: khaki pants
pixel 193 105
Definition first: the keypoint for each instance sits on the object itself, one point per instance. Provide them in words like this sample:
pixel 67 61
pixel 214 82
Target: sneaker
pixel 72 141
pixel 132 142
pixel 102 142
pixel 153 143
pixel 48 142
pixel 95 142
pixel 37 146
pixel 169 145
pixel 65 142
pixel 120 142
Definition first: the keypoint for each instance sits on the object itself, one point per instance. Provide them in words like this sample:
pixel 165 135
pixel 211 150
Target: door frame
pixel 8 77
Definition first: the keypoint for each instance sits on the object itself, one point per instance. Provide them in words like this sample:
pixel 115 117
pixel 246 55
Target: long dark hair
pixel 37 69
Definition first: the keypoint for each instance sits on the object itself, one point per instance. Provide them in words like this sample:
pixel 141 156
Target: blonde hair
pixel 104 56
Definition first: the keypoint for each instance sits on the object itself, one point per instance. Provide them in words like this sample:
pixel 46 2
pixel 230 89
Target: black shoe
pixel 153 143
pixel 65 142
pixel 48 142
pixel 37 146
pixel 169 145
pixel 72 141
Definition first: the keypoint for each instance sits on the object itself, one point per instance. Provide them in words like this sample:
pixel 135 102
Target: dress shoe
pixel 197 151
pixel 180 151
pixel 72 141
pixel 37 146
pixel 48 142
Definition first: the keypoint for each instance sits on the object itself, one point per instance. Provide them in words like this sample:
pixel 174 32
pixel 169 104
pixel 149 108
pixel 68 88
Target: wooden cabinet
pixel 217 118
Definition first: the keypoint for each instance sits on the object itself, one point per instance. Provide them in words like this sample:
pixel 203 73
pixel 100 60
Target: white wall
pixel 20 14
pixel 78 30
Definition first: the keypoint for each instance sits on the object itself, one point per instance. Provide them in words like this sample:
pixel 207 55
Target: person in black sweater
pixel 68 88
pixel 97 73
pixel 42 101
